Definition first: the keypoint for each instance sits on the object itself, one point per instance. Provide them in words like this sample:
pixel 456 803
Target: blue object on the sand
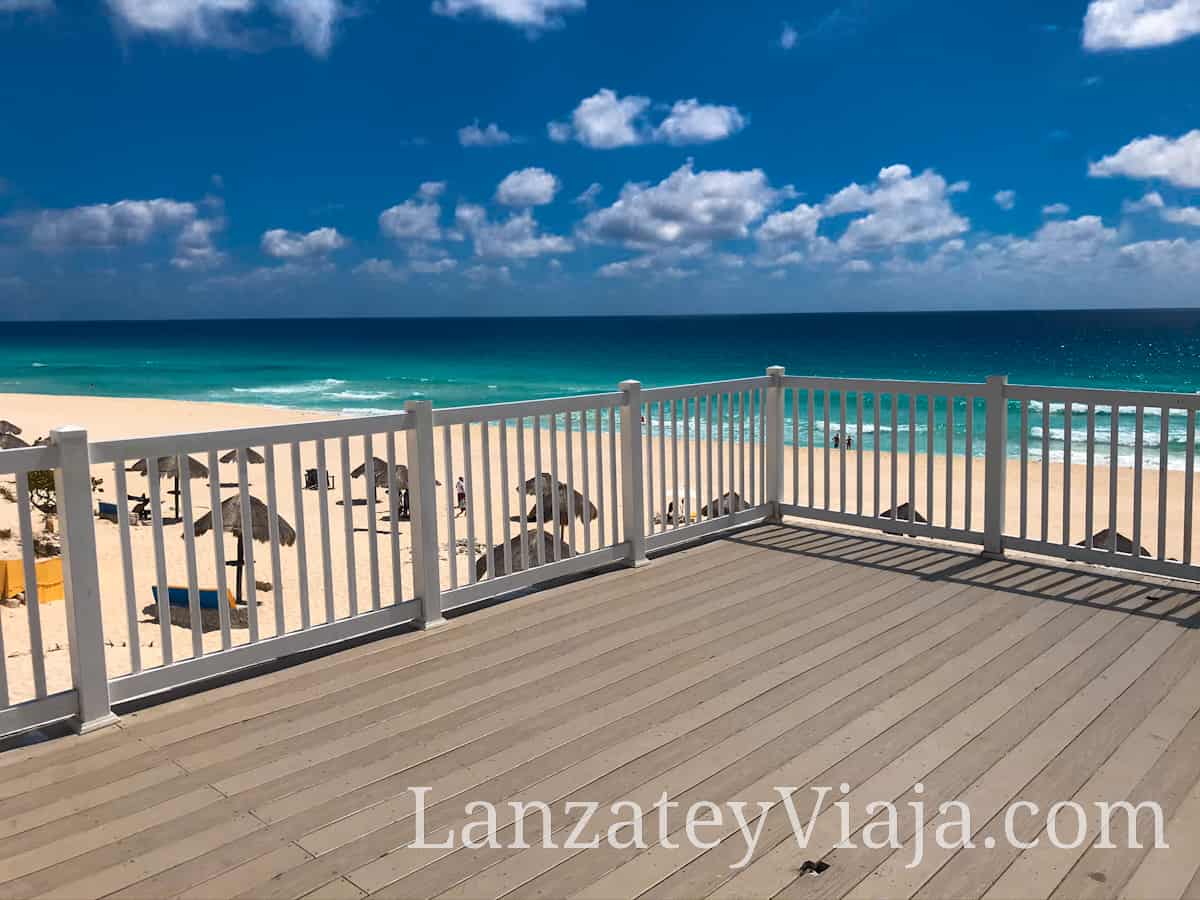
pixel 178 596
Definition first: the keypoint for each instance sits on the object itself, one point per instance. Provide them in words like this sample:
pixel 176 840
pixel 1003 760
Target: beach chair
pixel 178 596
pixel 311 482
pixel 107 512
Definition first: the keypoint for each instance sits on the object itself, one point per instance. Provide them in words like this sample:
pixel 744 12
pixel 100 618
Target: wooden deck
pixel 779 656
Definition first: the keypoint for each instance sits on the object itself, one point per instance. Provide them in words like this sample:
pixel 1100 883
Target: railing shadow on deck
pixel 942 564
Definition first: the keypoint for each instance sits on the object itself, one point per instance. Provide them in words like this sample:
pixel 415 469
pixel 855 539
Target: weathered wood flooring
pixel 779 656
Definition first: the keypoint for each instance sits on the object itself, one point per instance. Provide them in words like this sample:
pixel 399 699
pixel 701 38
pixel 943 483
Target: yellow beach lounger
pixel 49 579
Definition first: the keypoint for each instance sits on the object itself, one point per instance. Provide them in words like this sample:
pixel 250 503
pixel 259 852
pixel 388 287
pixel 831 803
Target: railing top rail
pixel 200 441
pixel 493 412
pixel 674 392
pixel 885 385
pixel 28 459
pixel 1103 396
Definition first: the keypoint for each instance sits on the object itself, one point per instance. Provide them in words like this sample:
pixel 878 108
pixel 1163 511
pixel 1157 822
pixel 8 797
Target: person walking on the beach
pixel 460 490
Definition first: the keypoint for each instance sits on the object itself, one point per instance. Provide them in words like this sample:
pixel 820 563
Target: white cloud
pixel 1175 160
pixel 515 238
pixel 788 37
pixel 858 265
pixel 532 15
pixel 902 209
pixel 382 269
pixel 225 22
pixel 1171 258
pixel 1152 200
pixel 1006 200
pixel 283 244
pixel 1131 24
pixel 109 226
pixel 527 187
pixel 1057 244
pixel 684 208
pixel 491 136
pixel 606 120
pixel 1056 209
pixel 416 219
pixel 693 122
pixel 799 224
pixel 1183 215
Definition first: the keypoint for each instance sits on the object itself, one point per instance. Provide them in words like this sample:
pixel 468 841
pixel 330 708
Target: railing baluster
pixel 614 489
pixel 189 552
pixel 1188 486
pixel 1045 457
pixel 1066 491
pixel 393 500
pixel 968 461
pixel 876 450
pixel 526 560
pixel 858 452
pixel 371 477
pixel 485 429
pixel 1139 419
pixel 451 505
pixel 1089 525
pixel 647 418
pixel 796 446
pixel 131 611
pixel 301 545
pixel 326 535
pixel 469 515
pixel 247 542
pixel 810 401
pixel 825 442
pixel 505 509
pixel 949 460
pixel 160 564
pixel 752 497
pixel 569 436
pixel 694 500
pixel 912 457
pixel 33 604
pixel 1114 442
pixel 218 533
pixel 662 467
pixel 273 529
pixel 720 458
pixel 684 514
pixel 348 527
pixel 844 431
pixel 930 453
pixel 539 515
pixel 893 399
pixel 675 516
pixel 1163 463
pixel 1024 469
pixel 599 498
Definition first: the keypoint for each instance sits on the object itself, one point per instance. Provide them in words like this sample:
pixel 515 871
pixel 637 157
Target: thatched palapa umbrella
pixel 9 441
pixel 7 427
pixel 260 528
pixel 519 563
pixel 168 466
pixel 252 456
pixel 381 473
pixel 540 486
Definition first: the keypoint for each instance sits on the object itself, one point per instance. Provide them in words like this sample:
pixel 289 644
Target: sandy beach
pixel 108 418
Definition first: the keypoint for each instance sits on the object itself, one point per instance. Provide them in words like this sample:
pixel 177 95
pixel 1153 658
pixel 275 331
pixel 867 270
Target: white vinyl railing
pixel 322 532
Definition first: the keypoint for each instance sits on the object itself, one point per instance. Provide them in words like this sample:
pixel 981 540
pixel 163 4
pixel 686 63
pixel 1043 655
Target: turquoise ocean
pixel 363 366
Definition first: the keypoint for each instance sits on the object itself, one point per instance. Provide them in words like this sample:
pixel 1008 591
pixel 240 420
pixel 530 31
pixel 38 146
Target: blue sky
pixel 362 157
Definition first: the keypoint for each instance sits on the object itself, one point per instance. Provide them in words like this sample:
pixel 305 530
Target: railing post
pixel 774 442
pixel 81 579
pixel 632 486
pixel 422 500
pixel 995 466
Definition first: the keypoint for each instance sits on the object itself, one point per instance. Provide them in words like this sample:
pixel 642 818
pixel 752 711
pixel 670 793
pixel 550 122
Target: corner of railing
pixel 774 442
pixel 422 486
pixel 632 485
pixel 995 466
pixel 81 579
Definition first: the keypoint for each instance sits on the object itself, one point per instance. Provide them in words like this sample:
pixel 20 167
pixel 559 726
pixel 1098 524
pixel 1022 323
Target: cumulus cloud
pixel 1056 209
pixel 383 269
pixel 416 219
pixel 283 244
pixel 490 136
pixel 693 122
pixel 799 224
pixel 1132 24
pixel 606 120
pixel 1153 202
pixel 1183 215
pixel 684 208
pixel 1057 244
pixel 1175 160
pixel 110 226
pixel 517 237
pixel 527 187
pixel 228 23
pixel 901 209
pixel 1006 200
pixel 531 15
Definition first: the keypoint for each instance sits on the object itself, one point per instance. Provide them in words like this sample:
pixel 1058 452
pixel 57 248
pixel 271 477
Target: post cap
pixel 68 433
pixel 776 371
pixel 631 385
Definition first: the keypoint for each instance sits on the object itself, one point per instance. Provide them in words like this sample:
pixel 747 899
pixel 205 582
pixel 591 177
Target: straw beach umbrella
pixel 168 466
pixel 381 473
pixel 252 456
pixel 260 528
pixel 540 486
pixel 7 427
pixel 519 562
pixel 9 441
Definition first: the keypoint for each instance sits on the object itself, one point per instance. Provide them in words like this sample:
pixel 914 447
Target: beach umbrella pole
pixel 241 562
pixel 177 496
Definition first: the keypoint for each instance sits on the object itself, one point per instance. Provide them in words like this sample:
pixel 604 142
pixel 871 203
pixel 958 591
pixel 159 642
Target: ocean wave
pixel 1080 409
pixel 369 411
pixel 1151 440
pixel 39 365
pixel 358 395
pixel 307 387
